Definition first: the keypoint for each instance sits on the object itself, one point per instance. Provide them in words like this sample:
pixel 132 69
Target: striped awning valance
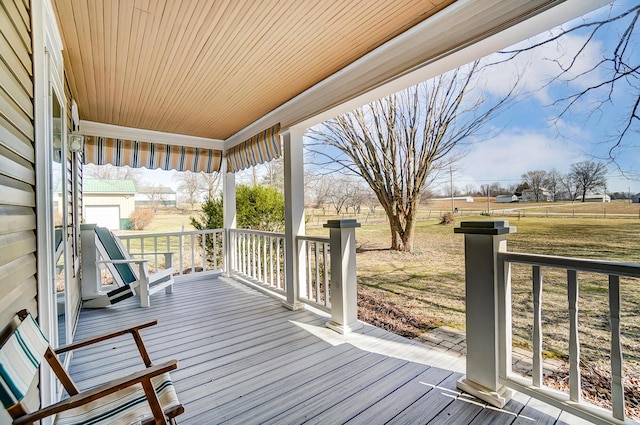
pixel 262 147
pixel 136 154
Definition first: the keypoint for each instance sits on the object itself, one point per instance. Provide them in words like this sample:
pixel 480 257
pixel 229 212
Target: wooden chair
pixel 130 280
pixel 145 397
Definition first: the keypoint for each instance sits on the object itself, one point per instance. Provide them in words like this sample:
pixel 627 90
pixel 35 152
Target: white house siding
pixel 18 287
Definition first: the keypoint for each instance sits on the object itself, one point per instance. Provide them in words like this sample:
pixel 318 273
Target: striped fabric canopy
pixel 136 154
pixel 262 147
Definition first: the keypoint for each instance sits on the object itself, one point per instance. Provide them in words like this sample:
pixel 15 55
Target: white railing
pixel 534 386
pixel 258 257
pixel 195 252
pixel 317 265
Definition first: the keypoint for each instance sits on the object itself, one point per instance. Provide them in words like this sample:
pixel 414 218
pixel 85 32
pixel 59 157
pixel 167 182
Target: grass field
pixel 425 289
pixel 409 293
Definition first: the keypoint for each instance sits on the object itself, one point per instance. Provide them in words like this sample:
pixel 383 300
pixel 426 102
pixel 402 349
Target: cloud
pixel 512 153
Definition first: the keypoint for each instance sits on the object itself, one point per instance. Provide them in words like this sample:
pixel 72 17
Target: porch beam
pixel 292 140
pixel 98 129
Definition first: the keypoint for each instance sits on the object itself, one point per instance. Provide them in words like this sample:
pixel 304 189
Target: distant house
pixel 108 203
pixel 594 198
pixel 529 195
pixel 635 198
pixel 505 199
pixel 148 196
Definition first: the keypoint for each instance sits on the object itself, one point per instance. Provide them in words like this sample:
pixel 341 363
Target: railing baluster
pixel 309 279
pixel 265 274
pixel 325 262
pixel 537 327
pixel 181 242
pixel 317 270
pixel 203 237
pixel 279 264
pixel 155 249
pixel 271 261
pixel 574 341
pixel 193 254
pixel 617 384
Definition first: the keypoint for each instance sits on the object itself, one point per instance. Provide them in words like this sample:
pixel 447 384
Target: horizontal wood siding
pixel 18 288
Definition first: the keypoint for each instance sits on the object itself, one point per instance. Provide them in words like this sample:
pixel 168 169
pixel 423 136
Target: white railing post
pixel 482 242
pixel 344 285
pixel 229 215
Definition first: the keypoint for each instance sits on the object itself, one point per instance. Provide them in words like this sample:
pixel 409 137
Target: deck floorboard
pixel 245 359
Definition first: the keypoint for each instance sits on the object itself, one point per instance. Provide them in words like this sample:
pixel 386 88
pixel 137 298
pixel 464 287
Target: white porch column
pixel 229 215
pixel 482 241
pixel 292 140
pixel 344 284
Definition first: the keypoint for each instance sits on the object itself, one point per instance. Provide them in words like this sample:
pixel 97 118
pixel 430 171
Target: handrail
pixel 569 263
pixel 534 385
pixel 196 251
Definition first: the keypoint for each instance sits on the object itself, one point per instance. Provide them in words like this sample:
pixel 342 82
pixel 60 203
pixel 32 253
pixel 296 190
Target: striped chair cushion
pixel 20 357
pixel 127 406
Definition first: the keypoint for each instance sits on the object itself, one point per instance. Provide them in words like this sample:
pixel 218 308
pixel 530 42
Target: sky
pixel 529 136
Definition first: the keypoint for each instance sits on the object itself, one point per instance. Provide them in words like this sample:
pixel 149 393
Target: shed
pixel 108 203
pixel 505 199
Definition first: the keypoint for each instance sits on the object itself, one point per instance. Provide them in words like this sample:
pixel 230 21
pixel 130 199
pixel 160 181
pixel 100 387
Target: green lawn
pixel 425 289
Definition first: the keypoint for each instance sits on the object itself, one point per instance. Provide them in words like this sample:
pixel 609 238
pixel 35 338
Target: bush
pixel 260 208
pixel 140 218
pixel 447 218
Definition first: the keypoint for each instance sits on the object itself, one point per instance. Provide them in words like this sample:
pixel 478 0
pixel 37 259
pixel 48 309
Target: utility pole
pixel 488 199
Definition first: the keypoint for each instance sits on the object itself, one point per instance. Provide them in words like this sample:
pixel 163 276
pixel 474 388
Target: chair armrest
pixel 151 253
pixel 104 337
pixel 141 260
pixel 98 392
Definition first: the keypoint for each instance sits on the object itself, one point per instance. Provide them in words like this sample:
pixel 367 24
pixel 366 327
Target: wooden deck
pixel 245 359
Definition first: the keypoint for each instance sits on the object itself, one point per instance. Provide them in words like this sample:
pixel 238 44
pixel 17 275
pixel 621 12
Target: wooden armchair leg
pixel 154 403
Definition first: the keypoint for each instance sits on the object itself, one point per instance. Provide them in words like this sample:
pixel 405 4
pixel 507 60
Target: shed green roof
pixel 108 186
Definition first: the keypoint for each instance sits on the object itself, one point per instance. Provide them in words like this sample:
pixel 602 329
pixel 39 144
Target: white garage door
pixel 104 216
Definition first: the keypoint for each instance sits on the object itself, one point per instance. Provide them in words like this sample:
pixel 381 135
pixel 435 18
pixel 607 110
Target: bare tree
pixel 570 186
pixel 190 187
pixel 111 172
pixel 469 189
pixel 342 194
pixel 400 143
pixel 211 183
pixel 156 195
pixel 536 180
pixel 274 176
pixel 554 183
pixel 589 175
pixel 617 71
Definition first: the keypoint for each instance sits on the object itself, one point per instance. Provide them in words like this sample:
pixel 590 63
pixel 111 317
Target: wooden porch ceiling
pixel 212 68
